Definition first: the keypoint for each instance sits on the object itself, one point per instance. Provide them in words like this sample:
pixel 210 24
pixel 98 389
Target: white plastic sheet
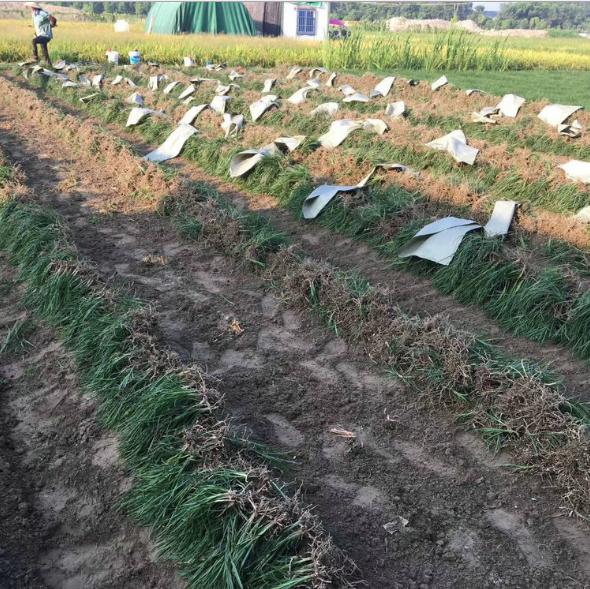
pixel 233 75
pixel 347 90
pixel 60 65
pixel 330 81
pixel 84 81
pixel 577 170
pixel 258 108
pixel 222 90
pixel 232 124
pixel 135 98
pixel 120 79
pixel 510 105
pixel 219 104
pixel 556 114
pixel 89 97
pixel 395 110
pixel 244 161
pixel 98 80
pixel 154 81
pixel 192 113
pixel 139 114
pixel 300 95
pixel 327 108
pixel 296 70
pixel 171 87
pixel 319 70
pixel 583 215
pixel 173 144
pixel 69 84
pixel 375 126
pixel 484 115
pixel 383 87
pixel 322 195
pixel 338 132
pixel 314 83
pixel 190 89
pixel 501 219
pixel 268 84
pixel 456 144
pixel 572 130
pixel 356 97
pixel 442 81
pixel 474 91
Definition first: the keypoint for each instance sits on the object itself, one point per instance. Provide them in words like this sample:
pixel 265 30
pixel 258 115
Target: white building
pixel 306 20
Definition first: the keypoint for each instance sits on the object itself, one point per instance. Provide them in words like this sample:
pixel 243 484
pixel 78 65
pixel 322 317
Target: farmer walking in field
pixel 43 23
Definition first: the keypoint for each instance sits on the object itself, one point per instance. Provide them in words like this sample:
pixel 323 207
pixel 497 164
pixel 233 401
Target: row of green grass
pixel 547 304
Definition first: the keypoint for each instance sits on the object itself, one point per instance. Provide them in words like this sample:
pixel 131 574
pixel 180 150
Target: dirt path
pixel 415 293
pixel 60 479
pixel 290 381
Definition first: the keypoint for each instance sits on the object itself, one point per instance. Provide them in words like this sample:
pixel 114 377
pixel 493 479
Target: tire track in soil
pixel 60 478
pixel 415 293
pixel 289 381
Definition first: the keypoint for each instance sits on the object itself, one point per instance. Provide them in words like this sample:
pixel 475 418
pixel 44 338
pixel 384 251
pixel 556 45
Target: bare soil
pixel 289 380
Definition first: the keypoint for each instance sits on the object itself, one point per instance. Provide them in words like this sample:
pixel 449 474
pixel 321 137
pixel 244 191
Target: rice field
pixel 292 395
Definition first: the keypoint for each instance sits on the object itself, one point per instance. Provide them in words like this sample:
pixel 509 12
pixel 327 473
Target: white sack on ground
pixel 173 144
pixel 383 87
pixel 556 114
pixel 139 114
pixel 327 108
pixel 170 87
pixel 135 98
pixel 244 161
pixel 219 104
pixel 577 170
pixel 258 108
pixel 300 95
pixel 510 105
pixel 322 195
pixel 187 92
pixel 296 70
pixel 456 144
pixel 442 81
pixel 375 126
pixel 232 124
pixel 268 84
pixel 330 81
pixel 338 132
pixel 501 218
pixel 192 113
pixel 347 90
pixel 233 75
pixel 356 97
pixel 395 110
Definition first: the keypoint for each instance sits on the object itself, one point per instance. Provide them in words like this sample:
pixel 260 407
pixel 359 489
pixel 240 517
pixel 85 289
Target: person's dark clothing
pixel 41 40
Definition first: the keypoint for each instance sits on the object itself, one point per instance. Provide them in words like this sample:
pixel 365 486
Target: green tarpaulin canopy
pixel 174 18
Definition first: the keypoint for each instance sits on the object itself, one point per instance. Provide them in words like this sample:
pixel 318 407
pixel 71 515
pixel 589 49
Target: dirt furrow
pixel 290 381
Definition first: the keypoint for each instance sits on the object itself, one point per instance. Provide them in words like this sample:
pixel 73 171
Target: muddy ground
pixel 289 381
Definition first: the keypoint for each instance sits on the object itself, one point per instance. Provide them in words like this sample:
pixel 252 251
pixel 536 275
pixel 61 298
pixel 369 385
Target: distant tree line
pixel 543 15
pixel 98 8
pixel 374 11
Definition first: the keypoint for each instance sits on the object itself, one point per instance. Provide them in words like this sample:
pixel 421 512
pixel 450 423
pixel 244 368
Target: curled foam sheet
pixel 98 80
pixel 89 97
pixel 258 108
pixel 356 97
pixel 215 67
pixel 84 81
pixel 139 114
pixel 583 215
pixel 244 161
pixel 577 170
pixel 338 132
pixel 233 75
pixel 572 130
pixel 135 98
pixel 60 65
pixel 319 70
pixel 395 110
pixel 190 89
pixel 322 195
pixel 327 108
pixel 300 95
pixel 456 144
pixel 51 74
pixel 347 90
pixel 481 117
pixel 296 70
pixel 375 126
pixel 232 124
pixel 173 144
pixel 170 87
pixel 383 87
pixel 474 91
pixel 556 114
pixel 222 90
pixel 199 80
pixel 501 219
pixel 120 79
pixel 510 105
pixel 219 104
pixel 314 83
pixel 69 84
pixel 442 81
pixel 438 246
pixel 192 113
pixel 268 84
pixel 154 81
pixel 188 100
pixel 330 81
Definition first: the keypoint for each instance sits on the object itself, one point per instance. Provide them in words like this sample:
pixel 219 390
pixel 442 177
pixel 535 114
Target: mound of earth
pixel 17 9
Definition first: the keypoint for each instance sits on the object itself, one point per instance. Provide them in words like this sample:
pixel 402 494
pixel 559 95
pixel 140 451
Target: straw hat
pixel 33 5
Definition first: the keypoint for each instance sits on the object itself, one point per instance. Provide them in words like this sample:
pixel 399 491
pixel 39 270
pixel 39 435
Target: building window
pixel 306 22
